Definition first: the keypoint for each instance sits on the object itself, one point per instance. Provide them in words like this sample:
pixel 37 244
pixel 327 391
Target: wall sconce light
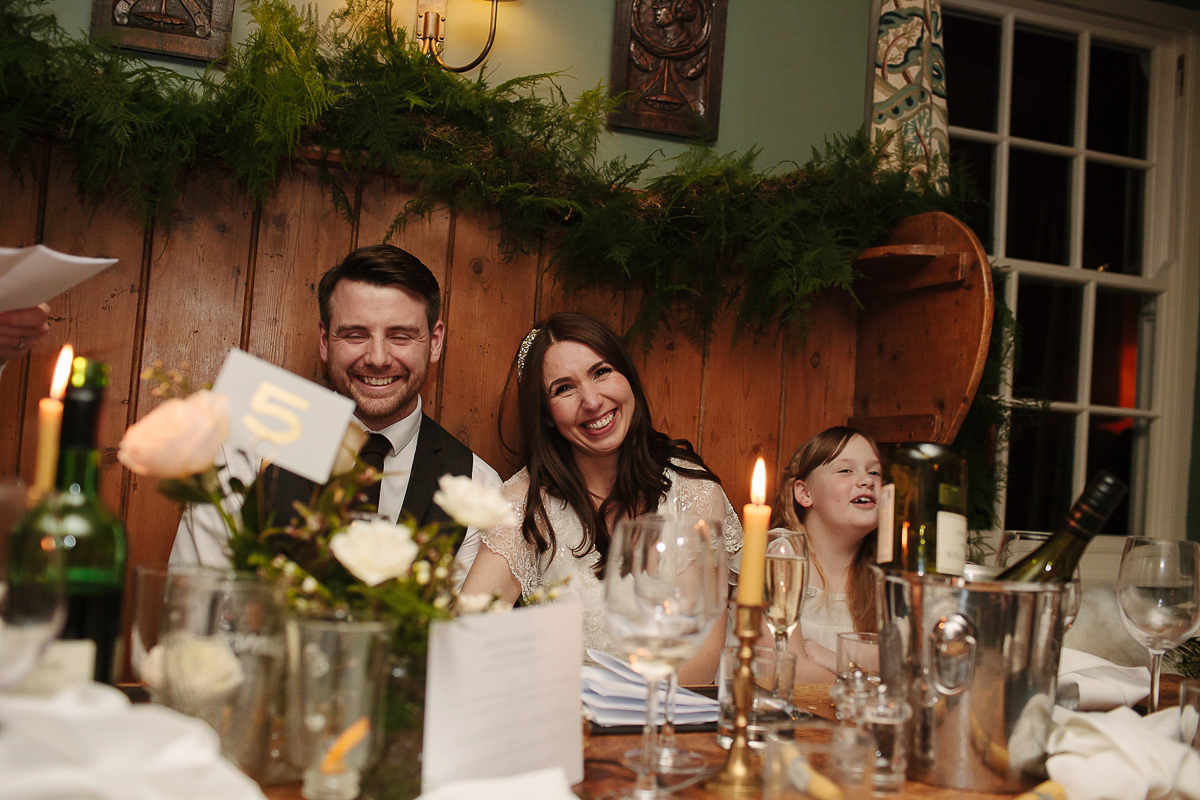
pixel 430 32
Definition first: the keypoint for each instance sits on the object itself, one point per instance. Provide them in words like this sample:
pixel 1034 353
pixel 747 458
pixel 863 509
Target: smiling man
pixel 379 334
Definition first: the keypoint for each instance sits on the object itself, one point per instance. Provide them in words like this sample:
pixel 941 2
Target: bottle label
pixel 886 505
pixel 951 543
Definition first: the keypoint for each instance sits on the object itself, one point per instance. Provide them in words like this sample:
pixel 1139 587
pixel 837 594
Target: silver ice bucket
pixel 978 661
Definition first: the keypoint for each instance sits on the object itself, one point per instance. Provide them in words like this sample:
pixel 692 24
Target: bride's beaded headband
pixel 523 351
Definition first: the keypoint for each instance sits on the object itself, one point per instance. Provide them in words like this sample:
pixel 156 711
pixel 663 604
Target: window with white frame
pixel 1070 126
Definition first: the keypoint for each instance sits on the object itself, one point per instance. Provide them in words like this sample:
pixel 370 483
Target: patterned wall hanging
pixel 193 29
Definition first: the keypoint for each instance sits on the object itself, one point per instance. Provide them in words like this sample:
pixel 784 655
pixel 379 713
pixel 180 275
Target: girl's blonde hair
pixel 787 513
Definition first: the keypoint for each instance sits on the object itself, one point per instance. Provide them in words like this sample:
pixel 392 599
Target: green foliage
pixel 712 233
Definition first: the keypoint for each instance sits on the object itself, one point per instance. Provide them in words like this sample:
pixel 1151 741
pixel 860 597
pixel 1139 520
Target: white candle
pixel 50 411
pixel 756 518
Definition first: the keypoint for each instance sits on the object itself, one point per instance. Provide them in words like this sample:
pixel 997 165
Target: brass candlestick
pixel 741 776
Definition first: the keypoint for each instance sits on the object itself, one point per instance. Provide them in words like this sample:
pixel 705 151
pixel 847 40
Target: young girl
pixel 829 490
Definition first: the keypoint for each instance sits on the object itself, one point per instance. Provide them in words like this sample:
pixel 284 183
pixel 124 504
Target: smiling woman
pixel 591 457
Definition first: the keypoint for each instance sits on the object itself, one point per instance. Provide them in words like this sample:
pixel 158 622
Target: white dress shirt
pixel 201 536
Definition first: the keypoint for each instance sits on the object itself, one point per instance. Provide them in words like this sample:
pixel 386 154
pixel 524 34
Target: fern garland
pixel 711 233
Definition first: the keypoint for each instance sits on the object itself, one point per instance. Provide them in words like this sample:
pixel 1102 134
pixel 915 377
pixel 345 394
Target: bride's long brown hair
pixel 787 513
pixel 645 455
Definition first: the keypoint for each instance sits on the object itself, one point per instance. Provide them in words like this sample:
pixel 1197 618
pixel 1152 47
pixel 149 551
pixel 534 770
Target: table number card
pixel 281 417
pixel 502 696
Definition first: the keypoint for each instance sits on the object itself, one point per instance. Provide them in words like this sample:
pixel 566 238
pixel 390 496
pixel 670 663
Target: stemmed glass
pixel 786 582
pixel 32 600
pixel 661 600
pixel 1158 589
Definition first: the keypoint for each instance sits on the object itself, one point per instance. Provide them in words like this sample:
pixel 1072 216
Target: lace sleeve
pixel 508 541
pixel 701 498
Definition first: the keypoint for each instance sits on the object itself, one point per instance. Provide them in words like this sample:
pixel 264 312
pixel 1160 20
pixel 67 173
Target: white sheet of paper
pixel 32 275
pixel 502 695
pixel 281 417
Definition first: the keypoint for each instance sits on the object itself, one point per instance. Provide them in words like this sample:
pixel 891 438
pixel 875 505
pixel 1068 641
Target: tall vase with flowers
pixel 334 561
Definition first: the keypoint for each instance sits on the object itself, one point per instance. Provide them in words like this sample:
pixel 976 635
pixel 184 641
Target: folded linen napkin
pixel 613 694
pixel 1102 684
pixel 1118 755
pixel 542 784
pixel 89 743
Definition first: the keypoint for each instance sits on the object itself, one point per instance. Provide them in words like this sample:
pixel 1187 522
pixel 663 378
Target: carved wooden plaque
pixel 195 29
pixel 667 61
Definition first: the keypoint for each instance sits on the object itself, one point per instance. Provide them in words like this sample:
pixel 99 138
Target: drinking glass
pixel 661 600
pixel 786 576
pixel 1157 591
pixel 32 600
pixel 858 651
pixel 1015 545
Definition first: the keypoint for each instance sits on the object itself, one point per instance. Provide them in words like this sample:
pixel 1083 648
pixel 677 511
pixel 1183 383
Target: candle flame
pixel 758 483
pixel 62 371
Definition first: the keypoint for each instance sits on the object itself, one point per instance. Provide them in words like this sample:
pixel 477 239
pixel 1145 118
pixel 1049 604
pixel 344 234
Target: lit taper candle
pixel 50 412
pixel 756 518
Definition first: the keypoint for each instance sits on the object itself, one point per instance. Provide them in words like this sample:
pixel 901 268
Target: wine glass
pixel 669 758
pixel 786 578
pixel 661 600
pixel 1015 545
pixel 32 600
pixel 1158 588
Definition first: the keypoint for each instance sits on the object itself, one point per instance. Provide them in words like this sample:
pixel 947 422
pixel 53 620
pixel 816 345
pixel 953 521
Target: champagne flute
pixel 32 601
pixel 661 601
pixel 786 578
pixel 1158 592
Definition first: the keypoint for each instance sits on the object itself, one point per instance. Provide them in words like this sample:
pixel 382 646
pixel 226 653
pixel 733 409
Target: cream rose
pixel 471 504
pixel 192 668
pixel 375 550
pixel 179 438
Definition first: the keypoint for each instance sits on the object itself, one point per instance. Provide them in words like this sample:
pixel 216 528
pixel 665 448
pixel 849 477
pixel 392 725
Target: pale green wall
pixel 795 70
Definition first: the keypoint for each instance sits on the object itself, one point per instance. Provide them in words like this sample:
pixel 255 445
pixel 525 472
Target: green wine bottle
pixel 923 510
pixel 92 539
pixel 1055 560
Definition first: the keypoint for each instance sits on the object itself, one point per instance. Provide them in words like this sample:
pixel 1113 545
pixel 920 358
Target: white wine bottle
pixel 1055 560
pixel 923 510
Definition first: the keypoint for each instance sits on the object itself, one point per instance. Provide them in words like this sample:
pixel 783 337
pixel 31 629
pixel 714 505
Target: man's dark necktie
pixel 372 454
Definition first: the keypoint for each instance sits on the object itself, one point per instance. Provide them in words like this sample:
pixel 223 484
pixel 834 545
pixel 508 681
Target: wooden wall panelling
pixel 427 238
pixel 921 352
pixel 20 196
pixel 99 317
pixel 742 401
pixel 672 373
pixel 490 309
pixel 300 236
pixel 818 373
pixel 194 304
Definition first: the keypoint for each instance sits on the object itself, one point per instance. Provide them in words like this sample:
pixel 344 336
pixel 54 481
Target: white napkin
pixel 1102 684
pixel 613 694
pixel 89 743
pixel 1118 755
pixel 542 784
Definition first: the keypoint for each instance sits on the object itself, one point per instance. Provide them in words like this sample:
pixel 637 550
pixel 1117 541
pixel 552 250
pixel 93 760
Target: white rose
pixel 471 504
pixel 192 668
pixel 473 603
pixel 375 550
pixel 179 438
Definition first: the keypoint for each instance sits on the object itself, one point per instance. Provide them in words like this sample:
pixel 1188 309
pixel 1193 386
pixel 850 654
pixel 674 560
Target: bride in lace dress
pixel 592 456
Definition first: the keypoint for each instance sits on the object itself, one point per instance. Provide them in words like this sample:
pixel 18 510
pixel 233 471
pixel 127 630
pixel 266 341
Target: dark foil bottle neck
pixel 78 454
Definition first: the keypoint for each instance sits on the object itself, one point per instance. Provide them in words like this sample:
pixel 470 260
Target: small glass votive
pixel 337 676
pixel 886 720
pixel 858 651
pixel 851 692
pixel 1189 712
pixel 819 759
pixel 774 680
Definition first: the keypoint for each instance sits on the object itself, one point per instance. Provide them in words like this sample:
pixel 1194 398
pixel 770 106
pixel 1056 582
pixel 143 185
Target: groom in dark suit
pixel 379 333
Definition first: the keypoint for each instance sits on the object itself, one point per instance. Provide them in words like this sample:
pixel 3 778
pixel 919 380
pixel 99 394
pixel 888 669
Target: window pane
pixel 976 160
pixel 1043 86
pixel 1038 201
pixel 1118 88
pixel 972 46
pixel 1040 461
pixel 1112 445
pixel 1112 219
pixel 1047 359
pixel 1124 331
